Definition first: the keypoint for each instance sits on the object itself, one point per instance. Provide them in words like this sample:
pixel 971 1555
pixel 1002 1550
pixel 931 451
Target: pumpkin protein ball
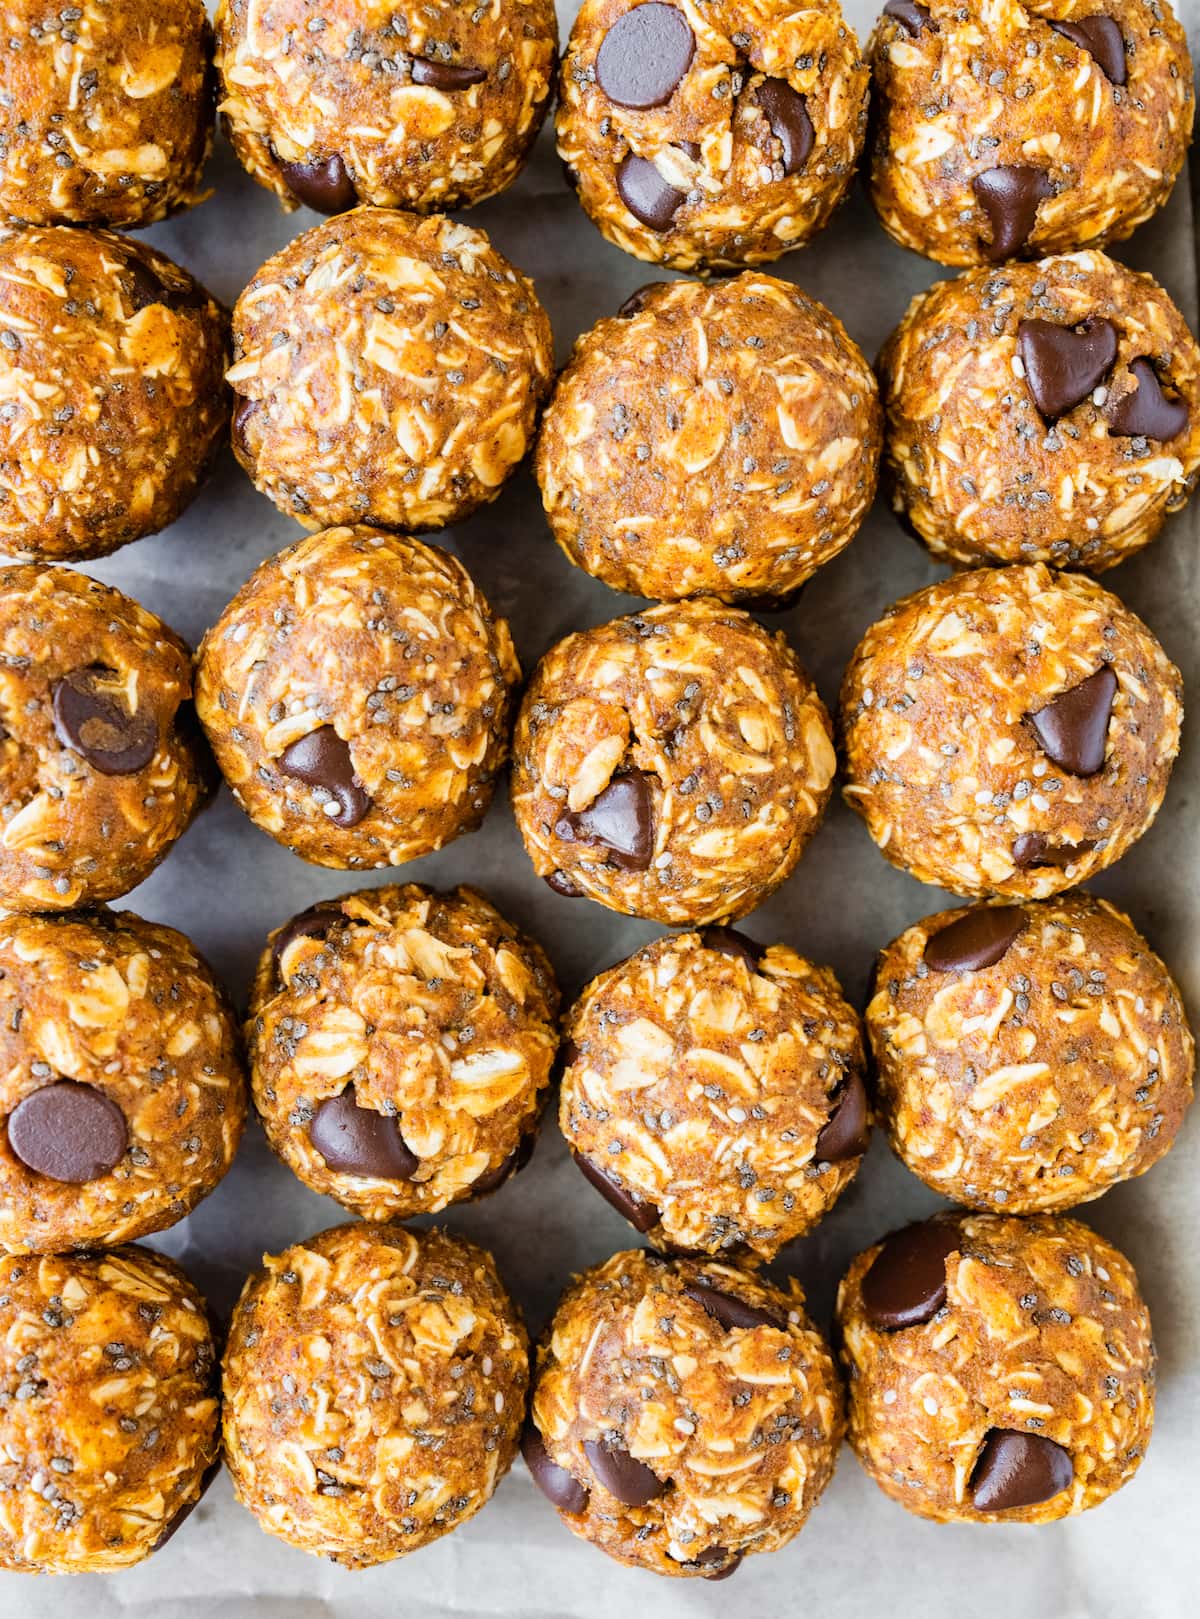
pixel 400 108
pixel 712 1092
pixel 685 1414
pixel 1043 412
pixel 1028 1057
pixel 109 1430
pixel 717 438
pixel 1009 731
pixel 112 406
pixel 1000 1370
pixel 672 764
pixel 374 1386
pixel 356 692
pixel 389 369
pixel 715 136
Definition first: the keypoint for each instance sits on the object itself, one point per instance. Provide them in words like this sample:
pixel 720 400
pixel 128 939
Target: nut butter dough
pixel 1043 412
pixel 122 1096
pixel 717 135
pixel 101 762
pixel 713 1092
pixel 1014 128
pixel 374 1387
pixel 422 107
pixel 356 693
pixel 715 438
pixel 109 1429
pixel 389 369
pixel 685 1414
pixel 111 400
pixel 1028 1057
pixel 1009 731
pixel 672 764
pixel 400 1047
pixel 1001 1370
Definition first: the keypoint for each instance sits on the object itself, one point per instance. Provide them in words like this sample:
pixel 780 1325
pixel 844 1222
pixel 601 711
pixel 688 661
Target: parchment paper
pixel 226 884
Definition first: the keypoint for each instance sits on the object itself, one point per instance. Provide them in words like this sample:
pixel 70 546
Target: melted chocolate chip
pixel 786 111
pixel 493 1179
pixel 1064 363
pixel 649 197
pixel 848 1131
pixel 621 1474
pixel 1073 729
pixel 445 75
pixel 322 759
pixel 91 719
pixel 356 1140
pixel 642 1216
pixel 1009 196
pixel 620 821
pixel 1018 1470
pixel 644 55
pixel 729 1311
pixel 909 14
pixel 977 940
pixel 636 301
pixel 1148 412
pixel 1035 849
pixel 906 1284
pixel 323 185
pixel 555 1483
pixel 1101 38
pixel 68 1132
pixel 313 923
pixel 562 884
pixel 729 942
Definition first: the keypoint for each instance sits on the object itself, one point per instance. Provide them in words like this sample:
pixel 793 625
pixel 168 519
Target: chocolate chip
pixel 356 1140
pixel 620 820
pixel 94 722
pixel 324 184
pixel 636 301
pixel 555 1483
pixel 729 1563
pixel 1147 413
pixel 446 75
pixel 644 55
pixel 322 759
pixel 848 1131
pixel 1018 1470
pixel 492 1179
pixel 642 1215
pixel 562 884
pixel 786 111
pixel 68 1132
pixel 729 942
pixel 1073 729
pixel 906 1284
pixel 730 1311
pixel 1101 38
pixel 145 286
pixel 314 923
pixel 1035 849
pixel 1009 196
pixel 621 1474
pixel 909 14
pixel 242 413
pixel 1064 363
pixel 645 193
pixel 185 1512
pixel 977 940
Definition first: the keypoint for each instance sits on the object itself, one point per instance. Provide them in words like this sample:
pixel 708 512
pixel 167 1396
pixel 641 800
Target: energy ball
pixel 711 138
pixel 389 369
pixel 1001 1370
pixel 404 109
pixel 1042 412
pixel 1009 731
pixel 400 1044
pixel 713 1092
pixel 109 1430
pixel 717 438
pixel 356 692
pixel 122 1096
pixel 685 1414
pixel 101 761
pixel 1028 1057
pixel 374 1387
pixel 672 764
pixel 111 360
pixel 114 111
pixel 1007 130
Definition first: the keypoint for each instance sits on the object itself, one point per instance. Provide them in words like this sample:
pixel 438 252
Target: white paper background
pixel 226 884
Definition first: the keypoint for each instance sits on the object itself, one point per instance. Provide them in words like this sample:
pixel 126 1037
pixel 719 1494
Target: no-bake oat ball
pixel 1042 412
pixel 112 406
pixel 1012 128
pixel 685 1414
pixel 713 1092
pixel 108 111
pixel 706 136
pixel 1001 1370
pixel 389 369
pixel 422 107
pixel 109 1430
pixel 101 761
pixel 122 1096
pixel 1009 731
pixel 715 438
pixel 356 693
pixel 672 764
pixel 401 1043
pixel 374 1387
pixel 1028 1057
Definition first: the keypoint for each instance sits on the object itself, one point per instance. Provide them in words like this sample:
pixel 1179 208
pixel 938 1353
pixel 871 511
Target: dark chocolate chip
pixel 1064 363
pixel 636 301
pixel 786 111
pixel 644 55
pixel 91 719
pixel 356 1140
pixel 730 1566
pixel 322 759
pixel 242 413
pixel 848 1131
pixel 620 820
pixel 906 1284
pixel 909 14
pixel 1148 412
pixel 313 923
pixel 621 1474
pixel 1073 729
pixel 562 884
pixel 185 1511
pixel 145 286
pixel 1009 196
pixel 729 942
pixel 1018 1470
pixel 1101 38
pixel 446 75
pixel 556 1484
pixel 68 1132
pixel 323 185
pixel 1035 849
pixel 977 940
pixel 642 1216
pixel 730 1311
pixel 492 1179
pixel 649 197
